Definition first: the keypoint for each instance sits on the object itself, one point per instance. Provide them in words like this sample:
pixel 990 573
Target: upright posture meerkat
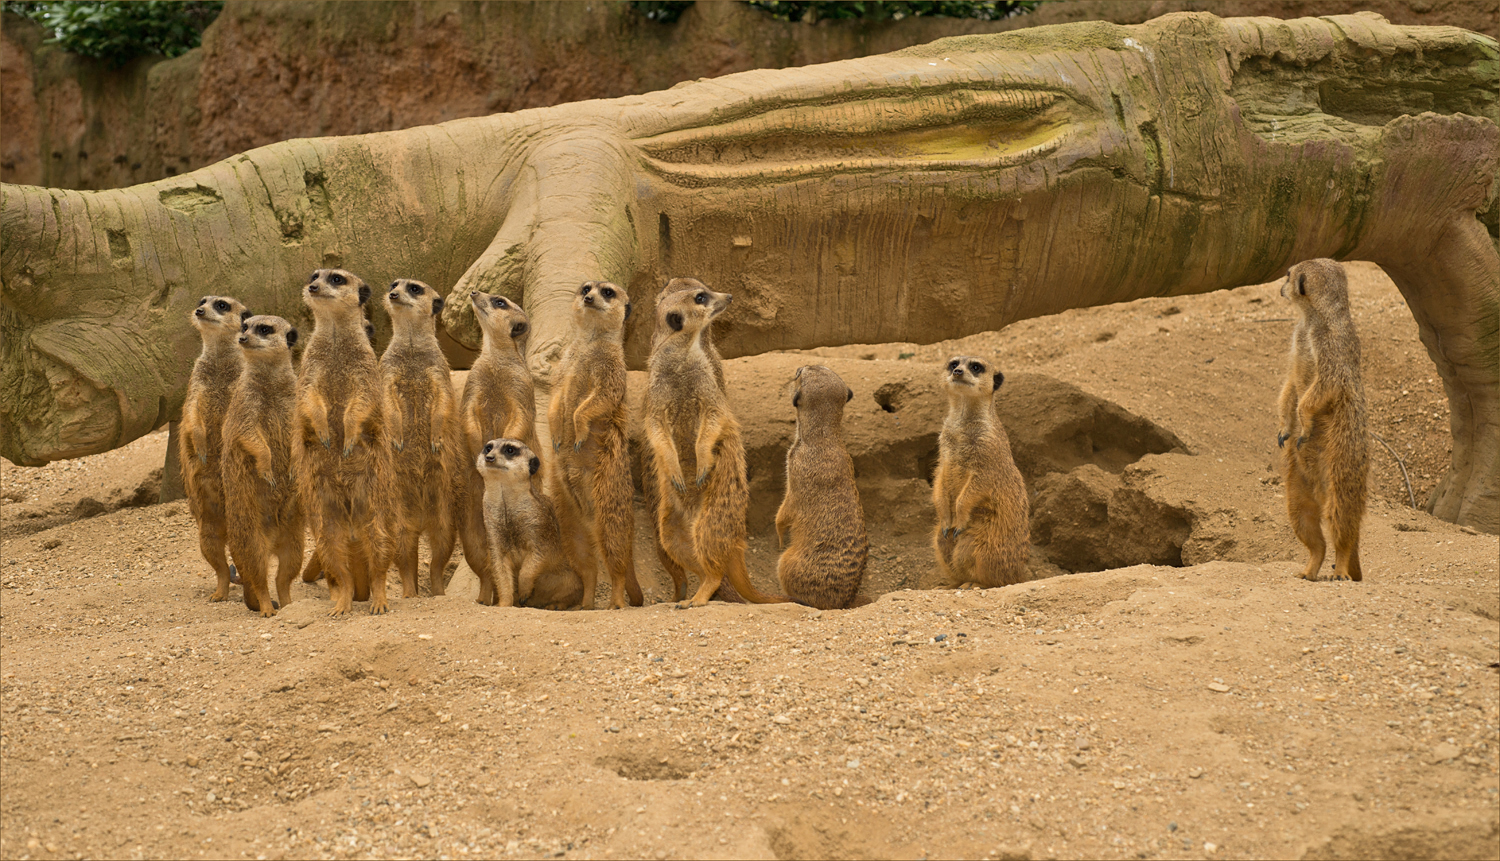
pixel 1323 413
pixel 260 487
pixel 499 402
pixel 530 568
pixel 217 319
pixel 426 477
pixel 701 488
pixel 589 473
pixel 825 561
pixel 983 513
pixel 340 440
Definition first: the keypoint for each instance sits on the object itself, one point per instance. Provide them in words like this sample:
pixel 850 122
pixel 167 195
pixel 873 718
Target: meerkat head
pixel 330 289
pixel 265 336
pixel 219 315
pixel 601 305
pixel 507 460
pixel 970 376
pixel 688 311
pixel 500 318
pixel 1318 286
pixel 412 302
pixel 815 387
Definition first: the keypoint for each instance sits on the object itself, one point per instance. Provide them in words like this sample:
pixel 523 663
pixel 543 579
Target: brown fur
pixel 499 401
pixel 340 440
pixel 589 474
pixel 530 567
pixel 983 513
pixel 260 487
pixel 199 440
pixel 688 425
pixel 824 563
pixel 425 476
pixel 1323 413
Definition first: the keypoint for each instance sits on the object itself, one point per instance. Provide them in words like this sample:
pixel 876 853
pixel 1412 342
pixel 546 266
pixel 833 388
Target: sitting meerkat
pixel 1323 410
pixel 701 488
pixel 588 476
pixel 340 439
pixel 824 563
pixel 260 489
pixel 499 401
pixel 423 482
pixel 529 566
pixel 983 512
pixel 199 441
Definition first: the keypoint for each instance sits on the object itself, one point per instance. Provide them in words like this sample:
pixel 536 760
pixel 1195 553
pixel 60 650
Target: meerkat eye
pixel 394 283
pixel 244 327
pixel 700 299
pixel 335 278
pixel 221 306
pixel 414 289
pixel 509 451
pixel 586 288
pixel 976 368
pixel 953 365
pixel 265 330
pixel 313 278
pixel 201 301
pixel 608 293
pixel 489 447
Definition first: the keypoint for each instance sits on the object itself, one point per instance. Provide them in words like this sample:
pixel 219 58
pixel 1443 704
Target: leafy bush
pixel 117 32
pixel 811 11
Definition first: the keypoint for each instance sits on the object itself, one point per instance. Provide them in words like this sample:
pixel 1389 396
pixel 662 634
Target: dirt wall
pixel 269 71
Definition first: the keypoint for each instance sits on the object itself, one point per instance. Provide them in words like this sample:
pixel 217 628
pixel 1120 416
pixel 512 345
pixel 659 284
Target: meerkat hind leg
pixel 406 562
pixel 440 549
pixel 211 543
pixel 288 561
pixel 1307 521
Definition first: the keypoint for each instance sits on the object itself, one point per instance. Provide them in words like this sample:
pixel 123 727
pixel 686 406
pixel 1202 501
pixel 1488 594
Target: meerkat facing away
pixel 1323 414
pixel 199 440
pixel 588 476
pixel 701 488
pixel 423 482
pixel 983 512
pixel 530 568
pixel 499 402
pixel 340 439
pixel 824 563
pixel 260 488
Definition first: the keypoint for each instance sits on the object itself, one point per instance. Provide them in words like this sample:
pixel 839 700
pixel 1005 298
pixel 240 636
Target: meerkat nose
pixel 198 312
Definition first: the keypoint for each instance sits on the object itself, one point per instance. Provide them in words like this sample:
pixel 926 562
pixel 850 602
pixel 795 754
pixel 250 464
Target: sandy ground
pixel 1213 707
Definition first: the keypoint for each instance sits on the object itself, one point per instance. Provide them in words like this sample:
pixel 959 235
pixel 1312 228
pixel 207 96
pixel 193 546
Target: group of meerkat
pixel 372 453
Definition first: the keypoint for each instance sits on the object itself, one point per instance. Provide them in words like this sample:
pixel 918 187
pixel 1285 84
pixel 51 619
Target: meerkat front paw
pixel 397 446
pixel 1281 439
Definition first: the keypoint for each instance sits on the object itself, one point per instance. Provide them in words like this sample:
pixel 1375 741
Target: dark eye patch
pixel 953 365
pixel 414 289
pixel 201 301
pixel 510 451
pixel 335 278
pixel 701 299
pixel 264 330
pixel 497 302
pixel 221 306
pixel 585 290
pixel 608 293
pixel 489 447
pixel 976 368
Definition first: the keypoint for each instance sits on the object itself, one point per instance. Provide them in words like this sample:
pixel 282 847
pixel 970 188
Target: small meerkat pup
pixel 983 512
pixel 588 476
pixel 499 402
pixel 260 487
pixel 423 483
pixel 529 565
pixel 340 440
pixel 824 564
pixel 1323 413
pixel 199 441
pixel 701 489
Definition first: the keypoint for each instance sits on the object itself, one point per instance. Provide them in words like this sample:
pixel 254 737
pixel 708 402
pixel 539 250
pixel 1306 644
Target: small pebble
pixel 1195 773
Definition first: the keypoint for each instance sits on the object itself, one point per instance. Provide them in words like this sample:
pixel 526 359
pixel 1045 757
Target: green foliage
pixel 661 11
pixel 117 32
pixel 811 11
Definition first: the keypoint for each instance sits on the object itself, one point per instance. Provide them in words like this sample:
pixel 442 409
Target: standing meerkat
pixel 701 489
pixel 824 564
pixel 499 402
pixel 1323 412
pixel 589 473
pixel 260 487
pixel 199 441
pixel 530 568
pixel 423 481
pixel 340 440
pixel 983 513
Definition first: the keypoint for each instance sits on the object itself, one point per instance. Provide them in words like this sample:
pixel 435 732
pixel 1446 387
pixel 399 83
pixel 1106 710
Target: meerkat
pixel 589 473
pixel 217 319
pixel 983 512
pixel 699 458
pixel 530 568
pixel 824 564
pixel 423 482
pixel 340 440
pixel 260 488
pixel 1323 413
pixel 498 402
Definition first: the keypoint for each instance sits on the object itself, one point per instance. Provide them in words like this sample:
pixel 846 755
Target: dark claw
pixel 398 446
pixel 557 446
pixel 578 446
pixel 1281 439
pixel 679 486
pixel 703 476
pixel 327 442
pixel 1301 440
pixel 203 458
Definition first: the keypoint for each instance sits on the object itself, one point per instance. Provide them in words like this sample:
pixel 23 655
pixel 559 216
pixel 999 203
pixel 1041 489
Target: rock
pixel 420 780
pixel 1078 761
pixel 1443 753
pixel 1219 688
pixel 1195 772
pixel 191 761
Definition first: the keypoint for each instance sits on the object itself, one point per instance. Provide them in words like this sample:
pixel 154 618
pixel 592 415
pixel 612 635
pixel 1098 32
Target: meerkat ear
pixel 246 314
pixel 796 400
pixel 364 294
pixel 437 306
pixel 1301 285
pixel 291 338
pixel 534 464
pixel 627 310
pixel 999 378
pixel 674 320
pixel 518 329
pixel 851 396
